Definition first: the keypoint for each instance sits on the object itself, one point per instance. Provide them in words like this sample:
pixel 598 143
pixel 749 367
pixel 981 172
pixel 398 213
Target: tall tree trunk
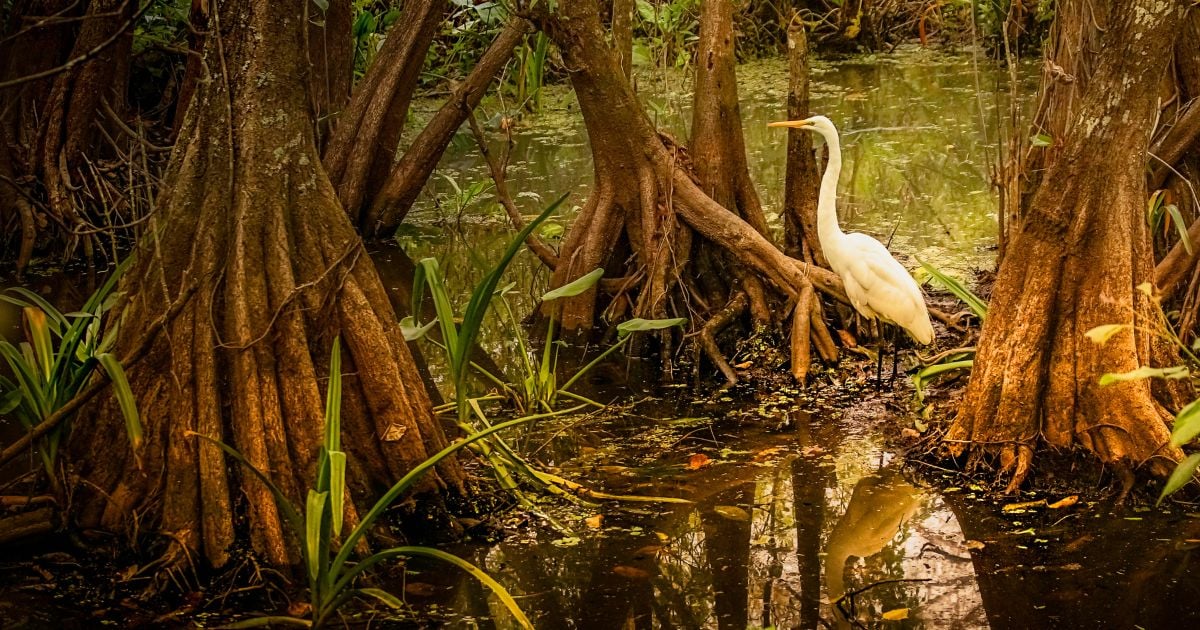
pixel 639 221
pixel 1073 262
pixel 803 178
pixel 255 258
pixel 363 145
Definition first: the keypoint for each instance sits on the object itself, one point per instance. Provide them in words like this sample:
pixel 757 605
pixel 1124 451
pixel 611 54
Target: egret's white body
pixel 877 285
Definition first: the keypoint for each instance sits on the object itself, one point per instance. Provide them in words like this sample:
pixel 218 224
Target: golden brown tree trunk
pixel 645 207
pixel 250 235
pixel 1073 262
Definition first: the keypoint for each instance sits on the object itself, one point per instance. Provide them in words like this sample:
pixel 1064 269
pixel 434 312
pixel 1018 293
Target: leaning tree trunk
pixel 1073 263
pixel 258 268
pixel 638 223
pixel 399 191
pixel 364 141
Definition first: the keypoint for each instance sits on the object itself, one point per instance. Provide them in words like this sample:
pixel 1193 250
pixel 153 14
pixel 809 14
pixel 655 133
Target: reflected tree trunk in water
pixel 811 476
pixel 256 269
pixel 727 545
pixel 1073 262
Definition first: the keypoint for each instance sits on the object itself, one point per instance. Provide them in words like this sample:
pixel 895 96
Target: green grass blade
pixel 314 514
pixel 57 321
pixel 1180 227
pixel 125 399
pixel 960 290
pixel 435 554
pixel 39 337
pixel 481 297
pixel 402 486
pixel 391 601
pixel 337 489
pixel 1182 474
pixel 259 622
pixel 580 285
pixel 333 399
pixel 281 500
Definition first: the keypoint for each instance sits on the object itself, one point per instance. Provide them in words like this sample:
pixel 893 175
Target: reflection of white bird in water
pixel 877 285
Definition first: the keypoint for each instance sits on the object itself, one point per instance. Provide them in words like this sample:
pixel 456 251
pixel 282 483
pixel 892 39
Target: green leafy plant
pixel 958 359
pixel 670 29
pixel 539 387
pixel 325 554
pixel 58 358
pixel 459 336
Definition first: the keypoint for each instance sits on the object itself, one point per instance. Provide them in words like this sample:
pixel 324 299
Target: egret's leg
pixel 895 353
pixel 879 356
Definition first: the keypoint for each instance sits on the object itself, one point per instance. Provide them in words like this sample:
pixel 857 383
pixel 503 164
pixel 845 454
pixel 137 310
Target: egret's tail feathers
pixel 920 329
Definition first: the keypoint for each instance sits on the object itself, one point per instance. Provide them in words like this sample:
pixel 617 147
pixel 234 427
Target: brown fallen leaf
pixel 909 434
pixel 744 365
pixel 812 451
pixel 698 461
pixel 732 512
pixel 649 551
pixel 594 521
pixel 975 545
pixel 1065 502
pixel 420 589
pixel 896 614
pixel 632 573
pixel 767 453
pixel 1012 507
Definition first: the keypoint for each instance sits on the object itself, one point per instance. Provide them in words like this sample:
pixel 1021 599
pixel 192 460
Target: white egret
pixel 878 286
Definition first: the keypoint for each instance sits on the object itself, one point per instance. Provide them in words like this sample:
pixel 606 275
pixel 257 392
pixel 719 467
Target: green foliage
pixel 58 358
pixel 1161 216
pixel 955 360
pixel 669 30
pixel 977 305
pixel 325 554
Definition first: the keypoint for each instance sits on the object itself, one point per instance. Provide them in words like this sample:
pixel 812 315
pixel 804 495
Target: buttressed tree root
pixel 652 219
pixel 253 243
pixel 1074 260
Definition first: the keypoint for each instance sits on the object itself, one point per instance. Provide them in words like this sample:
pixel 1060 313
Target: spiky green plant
pixel 60 354
pixel 325 555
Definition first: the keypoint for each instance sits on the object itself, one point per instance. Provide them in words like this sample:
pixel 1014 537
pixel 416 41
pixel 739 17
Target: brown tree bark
pixel 1073 263
pixel 393 201
pixel 622 33
pixel 639 221
pixel 803 178
pixel 362 147
pixel 331 54
pixel 73 104
pixel 251 240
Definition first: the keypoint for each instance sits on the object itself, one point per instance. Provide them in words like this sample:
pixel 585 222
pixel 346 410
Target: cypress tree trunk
pixel 1072 263
pixel 250 237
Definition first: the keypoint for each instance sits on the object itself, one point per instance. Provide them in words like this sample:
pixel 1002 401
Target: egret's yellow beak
pixel 791 123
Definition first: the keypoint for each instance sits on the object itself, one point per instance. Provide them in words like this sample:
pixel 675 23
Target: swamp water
pixel 796 500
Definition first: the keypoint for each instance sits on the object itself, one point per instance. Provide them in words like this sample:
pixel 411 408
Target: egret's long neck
pixel 827 220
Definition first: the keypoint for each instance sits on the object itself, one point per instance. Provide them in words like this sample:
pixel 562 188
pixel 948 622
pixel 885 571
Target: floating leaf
pixel 626 328
pixel 1101 334
pixel 1173 372
pixel 594 521
pixel 698 461
pixel 896 614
